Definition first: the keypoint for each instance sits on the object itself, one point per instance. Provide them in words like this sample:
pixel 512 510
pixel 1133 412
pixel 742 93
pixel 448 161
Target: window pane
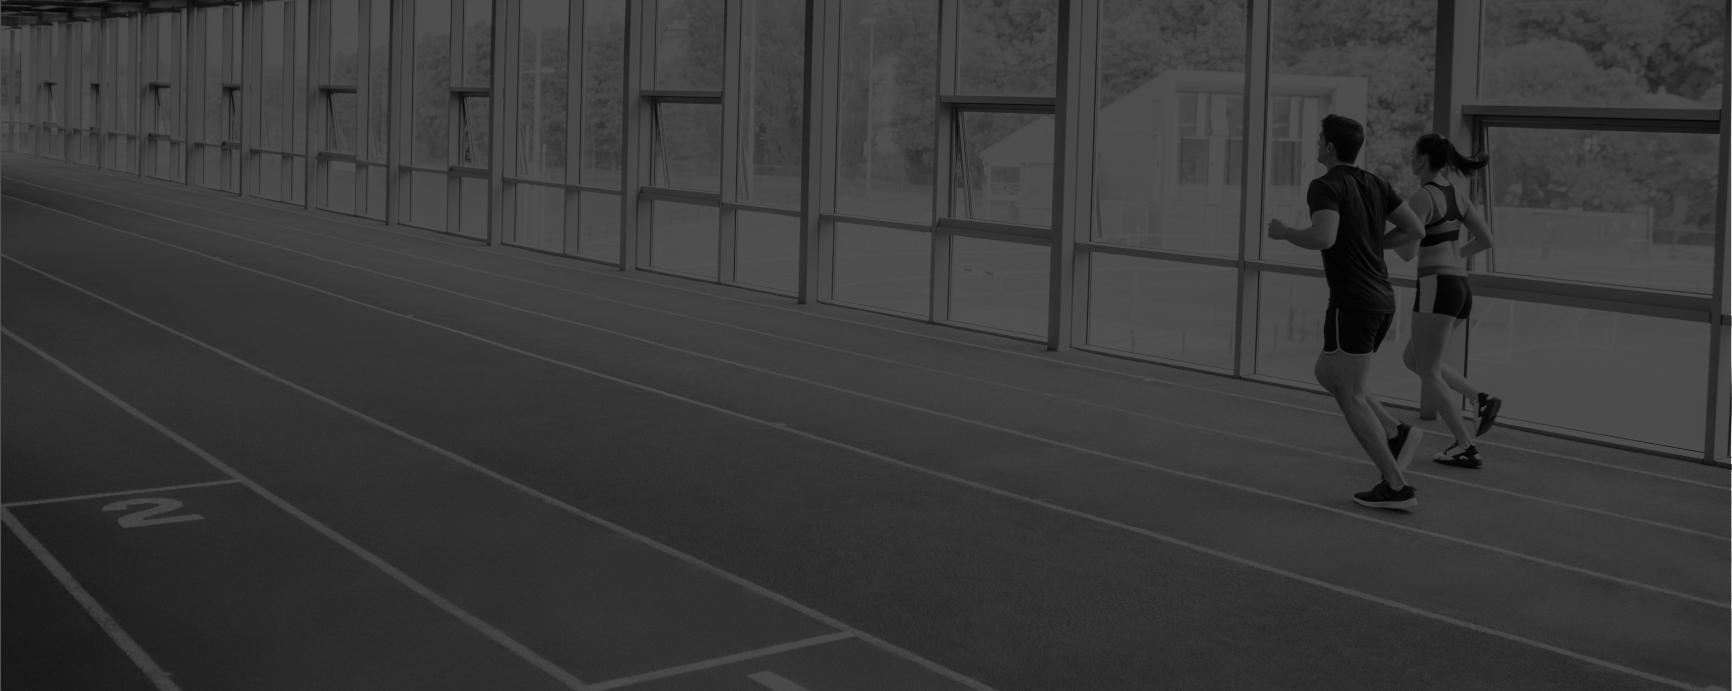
pixel 1169 167
pixel 683 239
pixel 603 80
pixel 598 226
pixel 1635 377
pixel 1625 54
pixel 1166 309
pixel 376 192
pixel 340 125
pixel 767 251
pixel 340 187
pixel 542 73
pixel 345 44
pixel 477 43
pixel 379 80
pixel 689 44
pixel 772 141
pixel 1008 48
pixel 1003 170
pixel 883 268
pixel 425 201
pixel 540 218
pixel 1002 285
pixel 474 117
pixel 887 87
pixel 472 208
pixel 688 152
pixel 1378 70
pixel 1620 208
pixel 432 82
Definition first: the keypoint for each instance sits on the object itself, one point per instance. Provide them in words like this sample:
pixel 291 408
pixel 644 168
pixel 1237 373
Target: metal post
pixel 818 163
pixel 1073 152
pixel 1257 38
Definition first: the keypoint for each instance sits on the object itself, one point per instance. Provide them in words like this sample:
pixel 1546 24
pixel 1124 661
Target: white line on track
pixel 719 661
pixel 842 445
pixel 1350 514
pixel 121 493
pixel 582 264
pixel 139 657
pixel 503 479
pixel 396 574
pixel 775 682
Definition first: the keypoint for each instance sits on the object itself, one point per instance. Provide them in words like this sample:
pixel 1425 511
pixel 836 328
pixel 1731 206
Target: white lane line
pixel 838 444
pixel 1356 515
pixel 577 263
pixel 121 493
pixel 530 491
pixel 113 628
pixel 719 661
pixel 396 574
pixel 775 682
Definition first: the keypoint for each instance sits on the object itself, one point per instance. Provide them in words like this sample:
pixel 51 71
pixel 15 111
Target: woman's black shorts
pixel 1444 294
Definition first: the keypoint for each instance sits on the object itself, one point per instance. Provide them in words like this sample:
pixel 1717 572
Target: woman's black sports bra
pixel 1451 213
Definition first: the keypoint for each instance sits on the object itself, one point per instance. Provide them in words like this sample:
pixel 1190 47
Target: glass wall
pixel 956 154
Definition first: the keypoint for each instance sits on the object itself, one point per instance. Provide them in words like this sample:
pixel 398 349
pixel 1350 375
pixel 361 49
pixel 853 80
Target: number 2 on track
pixel 148 516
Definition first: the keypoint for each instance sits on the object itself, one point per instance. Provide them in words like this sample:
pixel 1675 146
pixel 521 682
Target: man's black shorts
pixel 1355 332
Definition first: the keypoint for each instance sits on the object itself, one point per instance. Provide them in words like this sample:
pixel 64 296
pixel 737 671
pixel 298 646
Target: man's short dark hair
pixel 1346 135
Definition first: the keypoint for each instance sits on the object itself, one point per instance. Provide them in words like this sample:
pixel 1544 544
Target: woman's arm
pixel 1478 232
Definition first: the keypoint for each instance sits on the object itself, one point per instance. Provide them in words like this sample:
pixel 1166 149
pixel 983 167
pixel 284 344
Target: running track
pixel 356 458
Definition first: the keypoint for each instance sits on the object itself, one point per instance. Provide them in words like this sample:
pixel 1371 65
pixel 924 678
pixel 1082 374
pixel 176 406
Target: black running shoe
pixel 1488 407
pixel 1382 497
pixel 1459 457
pixel 1403 444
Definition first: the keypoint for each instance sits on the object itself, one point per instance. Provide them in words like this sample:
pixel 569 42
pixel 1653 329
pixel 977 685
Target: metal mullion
pixel 252 94
pixel 454 116
pixel 399 82
pixel 675 194
pixel 1041 238
pixel 320 131
pixel 831 219
pixel 1248 301
pixel 1595 118
pixel 758 208
pixel 639 46
pixel 733 63
pixel 943 159
pixel 503 52
pixel 971 225
pixel 1073 150
pixel 197 47
pixel 1003 104
pixel 184 68
pixel 363 99
pixel 712 97
pixel 286 164
pixel 819 121
pixel 1719 409
pixel 576 45
pixel 146 72
pixel 1456 84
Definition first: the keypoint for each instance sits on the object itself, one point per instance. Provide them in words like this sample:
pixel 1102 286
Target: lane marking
pixel 581 263
pixel 103 619
pixel 396 574
pixel 121 493
pixel 1350 514
pixel 1411 609
pixel 720 661
pixel 775 682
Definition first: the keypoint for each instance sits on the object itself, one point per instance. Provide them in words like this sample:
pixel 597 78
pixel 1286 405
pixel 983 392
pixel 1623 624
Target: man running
pixel 1349 209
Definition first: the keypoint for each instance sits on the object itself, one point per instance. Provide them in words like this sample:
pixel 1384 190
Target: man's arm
pixel 1320 236
pixel 1407 230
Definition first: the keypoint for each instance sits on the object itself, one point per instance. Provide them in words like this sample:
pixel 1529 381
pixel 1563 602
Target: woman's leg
pixel 1430 339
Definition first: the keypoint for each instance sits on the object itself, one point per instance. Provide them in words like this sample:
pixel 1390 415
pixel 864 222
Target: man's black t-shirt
pixel 1358 277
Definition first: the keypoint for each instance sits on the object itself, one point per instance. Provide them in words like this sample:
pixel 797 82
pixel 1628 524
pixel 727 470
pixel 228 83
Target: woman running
pixel 1443 300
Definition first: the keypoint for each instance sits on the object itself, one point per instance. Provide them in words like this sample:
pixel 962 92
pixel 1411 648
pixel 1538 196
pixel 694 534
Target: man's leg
pixel 1349 374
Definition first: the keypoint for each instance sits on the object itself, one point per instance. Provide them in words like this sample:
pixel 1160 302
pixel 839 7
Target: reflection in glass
pixel 1007 48
pixel 1166 309
pixel 540 222
pixel 603 79
pixel 689 44
pixel 883 268
pixel 771 139
pixel 542 73
pixel 1618 208
pixel 598 226
pixel 1003 285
